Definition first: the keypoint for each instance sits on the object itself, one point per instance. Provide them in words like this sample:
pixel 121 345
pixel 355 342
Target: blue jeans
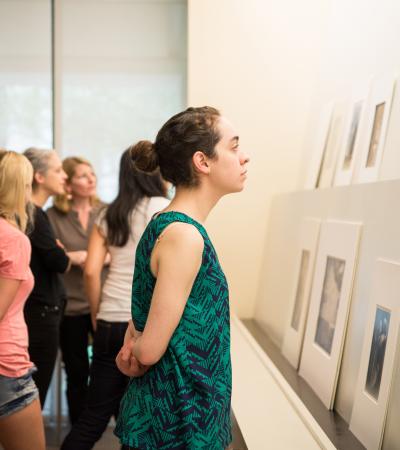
pixel 106 388
pixel 16 393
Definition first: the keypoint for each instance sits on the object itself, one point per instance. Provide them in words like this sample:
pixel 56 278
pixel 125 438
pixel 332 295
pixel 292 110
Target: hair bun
pixel 144 156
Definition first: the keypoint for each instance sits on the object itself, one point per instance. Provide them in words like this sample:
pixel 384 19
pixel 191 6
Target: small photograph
pixel 351 139
pixel 376 134
pixel 298 306
pixel 377 353
pixel 329 304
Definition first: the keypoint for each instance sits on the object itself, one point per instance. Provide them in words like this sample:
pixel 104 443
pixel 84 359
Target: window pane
pixel 124 74
pixel 25 74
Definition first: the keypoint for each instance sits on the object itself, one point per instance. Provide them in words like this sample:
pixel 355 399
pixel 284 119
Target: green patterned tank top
pixel 183 401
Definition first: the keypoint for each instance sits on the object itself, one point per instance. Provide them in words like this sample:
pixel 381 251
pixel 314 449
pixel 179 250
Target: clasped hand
pixel 127 363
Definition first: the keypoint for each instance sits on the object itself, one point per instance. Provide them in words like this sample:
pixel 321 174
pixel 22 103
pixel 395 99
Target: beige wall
pixel 257 61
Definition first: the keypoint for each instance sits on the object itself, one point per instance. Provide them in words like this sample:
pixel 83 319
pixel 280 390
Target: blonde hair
pixel 63 202
pixel 16 174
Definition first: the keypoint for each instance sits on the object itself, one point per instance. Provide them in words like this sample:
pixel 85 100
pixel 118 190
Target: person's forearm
pixel 130 332
pixel 92 285
pixel 69 266
pixel 146 355
pixel 134 338
pixel 136 350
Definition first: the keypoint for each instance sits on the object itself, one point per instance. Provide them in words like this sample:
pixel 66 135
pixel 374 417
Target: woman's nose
pixel 245 158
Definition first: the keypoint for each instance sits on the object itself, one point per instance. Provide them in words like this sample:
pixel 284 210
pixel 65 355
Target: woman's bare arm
pixel 178 258
pixel 97 251
pixel 127 363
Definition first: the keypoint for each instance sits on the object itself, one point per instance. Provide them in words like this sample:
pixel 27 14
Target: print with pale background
pixel 355 121
pixel 376 134
pixel 329 305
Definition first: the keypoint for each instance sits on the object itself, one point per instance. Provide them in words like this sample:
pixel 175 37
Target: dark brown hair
pixel 189 131
pixel 134 185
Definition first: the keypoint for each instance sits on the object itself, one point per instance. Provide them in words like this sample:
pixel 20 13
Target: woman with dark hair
pixel 117 231
pixel 177 349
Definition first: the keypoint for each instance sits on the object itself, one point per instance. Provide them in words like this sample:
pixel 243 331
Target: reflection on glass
pixel 329 305
pixel 25 74
pixel 355 121
pixel 377 352
pixel 298 306
pixel 376 135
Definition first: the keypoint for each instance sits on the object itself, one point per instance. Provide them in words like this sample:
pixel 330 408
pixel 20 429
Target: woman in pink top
pixel 21 424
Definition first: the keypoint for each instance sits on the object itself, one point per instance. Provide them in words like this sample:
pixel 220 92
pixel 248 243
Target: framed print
pixel 350 144
pixel 378 356
pixel 332 144
pixel 390 165
pixel 306 251
pixel 377 352
pixel 329 306
pixel 374 128
pixel 319 146
pixel 329 303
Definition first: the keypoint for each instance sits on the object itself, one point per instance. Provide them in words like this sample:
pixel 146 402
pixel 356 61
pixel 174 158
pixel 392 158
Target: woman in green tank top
pixel 177 347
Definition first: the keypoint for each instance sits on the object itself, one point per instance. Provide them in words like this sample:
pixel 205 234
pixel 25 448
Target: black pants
pixel 74 340
pixel 44 330
pixel 106 388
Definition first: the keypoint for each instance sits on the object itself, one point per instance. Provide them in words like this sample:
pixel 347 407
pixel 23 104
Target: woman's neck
pixel 40 197
pixel 195 202
pixel 10 221
pixel 81 204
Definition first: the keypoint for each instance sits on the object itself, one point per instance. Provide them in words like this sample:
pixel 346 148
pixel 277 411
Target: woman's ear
pixel 39 178
pixel 201 162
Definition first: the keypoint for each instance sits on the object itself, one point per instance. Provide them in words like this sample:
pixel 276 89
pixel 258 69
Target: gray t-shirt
pixel 115 303
pixel 69 231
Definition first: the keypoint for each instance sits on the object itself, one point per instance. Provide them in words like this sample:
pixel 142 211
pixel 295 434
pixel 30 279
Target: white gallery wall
pixel 257 61
pixel 362 39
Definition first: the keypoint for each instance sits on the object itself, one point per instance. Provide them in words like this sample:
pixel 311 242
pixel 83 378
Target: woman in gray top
pixel 72 218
